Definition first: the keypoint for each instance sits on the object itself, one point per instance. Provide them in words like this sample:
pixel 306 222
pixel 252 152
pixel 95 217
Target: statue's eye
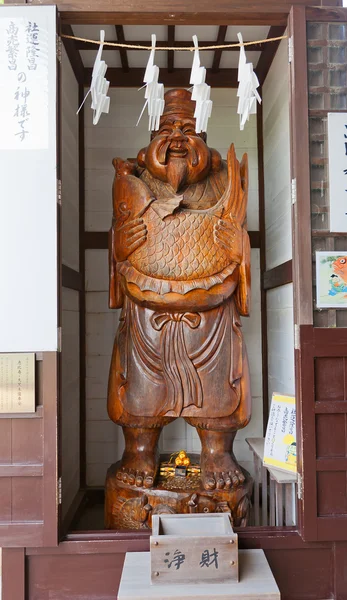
pixel 189 130
pixel 165 131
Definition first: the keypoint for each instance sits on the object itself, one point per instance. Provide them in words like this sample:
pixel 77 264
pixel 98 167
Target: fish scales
pixel 180 247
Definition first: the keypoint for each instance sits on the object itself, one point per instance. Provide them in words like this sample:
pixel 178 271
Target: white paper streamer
pixel 99 86
pixel 154 94
pixel 201 91
pixel 247 90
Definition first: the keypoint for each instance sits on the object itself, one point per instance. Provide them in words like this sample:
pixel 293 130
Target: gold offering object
pixel 178 459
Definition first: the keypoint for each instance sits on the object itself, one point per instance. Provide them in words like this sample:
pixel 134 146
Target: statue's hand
pixel 129 237
pixel 228 234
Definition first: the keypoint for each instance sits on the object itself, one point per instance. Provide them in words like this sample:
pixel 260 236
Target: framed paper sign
pixel 280 439
pixel 331 279
pixel 337 151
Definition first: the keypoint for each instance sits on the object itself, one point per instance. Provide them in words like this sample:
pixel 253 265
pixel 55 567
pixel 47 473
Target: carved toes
pixel 148 481
pixel 210 482
pixel 131 477
pixel 227 482
pixel 139 480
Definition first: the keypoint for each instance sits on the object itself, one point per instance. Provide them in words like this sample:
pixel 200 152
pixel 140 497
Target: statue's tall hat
pixel 178 102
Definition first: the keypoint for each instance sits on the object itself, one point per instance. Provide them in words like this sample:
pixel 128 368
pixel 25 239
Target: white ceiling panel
pixel 140 33
pixel 185 59
pixel 111 57
pixel 249 32
pixel 139 58
pixel 230 60
pixel 204 32
pixel 92 32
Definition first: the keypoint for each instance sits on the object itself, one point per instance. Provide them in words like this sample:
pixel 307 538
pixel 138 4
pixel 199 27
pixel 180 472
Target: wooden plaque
pixel 17 383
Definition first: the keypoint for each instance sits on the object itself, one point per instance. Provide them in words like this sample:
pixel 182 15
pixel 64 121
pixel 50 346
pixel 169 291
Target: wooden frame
pixel 318 568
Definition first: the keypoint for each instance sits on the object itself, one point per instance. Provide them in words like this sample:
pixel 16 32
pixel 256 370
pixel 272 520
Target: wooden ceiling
pixel 126 66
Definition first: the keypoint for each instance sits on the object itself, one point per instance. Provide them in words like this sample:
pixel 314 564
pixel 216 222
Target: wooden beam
pixel 164 44
pixel 71 279
pixel 98 240
pixel 225 78
pixel 195 12
pixel 73 54
pixel 171 54
pixel 268 54
pixel 122 51
pixel 280 275
pixel 222 31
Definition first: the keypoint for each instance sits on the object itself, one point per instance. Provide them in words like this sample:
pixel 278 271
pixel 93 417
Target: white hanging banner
pixel 99 85
pixel 154 94
pixel 28 175
pixel 201 91
pixel 247 90
pixel 24 82
pixel 337 152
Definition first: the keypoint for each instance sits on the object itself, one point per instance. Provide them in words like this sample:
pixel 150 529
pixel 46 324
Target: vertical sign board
pixel 337 149
pixel 28 176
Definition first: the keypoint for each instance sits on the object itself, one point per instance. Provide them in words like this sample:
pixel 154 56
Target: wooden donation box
pixel 188 548
pixel 196 556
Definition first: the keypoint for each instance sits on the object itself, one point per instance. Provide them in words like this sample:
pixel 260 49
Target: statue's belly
pixel 181 247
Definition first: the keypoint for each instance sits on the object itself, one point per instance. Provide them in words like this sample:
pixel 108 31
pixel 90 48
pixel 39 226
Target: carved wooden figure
pixel 180 271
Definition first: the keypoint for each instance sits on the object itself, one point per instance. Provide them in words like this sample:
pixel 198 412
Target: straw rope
pixel 179 48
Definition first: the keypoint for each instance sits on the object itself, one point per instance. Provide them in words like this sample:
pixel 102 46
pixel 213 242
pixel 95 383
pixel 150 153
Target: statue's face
pixel 177 154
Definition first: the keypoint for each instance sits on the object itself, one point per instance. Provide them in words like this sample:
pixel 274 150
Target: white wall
pixel 70 409
pixel 280 319
pixel 116 135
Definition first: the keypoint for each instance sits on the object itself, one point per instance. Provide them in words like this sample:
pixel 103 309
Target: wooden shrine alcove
pixel 307 559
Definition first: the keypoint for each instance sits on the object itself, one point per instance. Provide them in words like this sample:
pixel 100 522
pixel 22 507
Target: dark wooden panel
pixel 331 493
pixel 28 468
pixel 329 379
pixel 329 445
pixel 5 499
pixel 280 275
pixel 5 440
pixel 27 434
pixel 27 499
pixel 302 574
pixel 13 574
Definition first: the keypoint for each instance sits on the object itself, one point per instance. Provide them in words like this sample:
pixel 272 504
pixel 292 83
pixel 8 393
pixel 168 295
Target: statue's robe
pixel 179 348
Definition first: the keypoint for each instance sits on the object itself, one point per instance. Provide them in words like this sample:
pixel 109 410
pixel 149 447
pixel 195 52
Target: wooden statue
pixel 180 271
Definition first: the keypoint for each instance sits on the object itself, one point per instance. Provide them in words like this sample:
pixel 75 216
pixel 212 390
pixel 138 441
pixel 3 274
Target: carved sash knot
pixel 159 319
pixel 181 376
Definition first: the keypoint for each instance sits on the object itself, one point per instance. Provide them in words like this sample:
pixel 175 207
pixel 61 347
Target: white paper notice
pixel 24 83
pixel 17 383
pixel 337 151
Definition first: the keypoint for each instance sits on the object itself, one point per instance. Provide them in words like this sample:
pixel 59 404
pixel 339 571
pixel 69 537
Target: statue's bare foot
pixel 219 468
pixel 144 474
pixel 220 471
pixel 140 460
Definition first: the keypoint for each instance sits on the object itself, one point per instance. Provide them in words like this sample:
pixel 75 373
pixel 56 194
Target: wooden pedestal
pixel 256 582
pixel 132 507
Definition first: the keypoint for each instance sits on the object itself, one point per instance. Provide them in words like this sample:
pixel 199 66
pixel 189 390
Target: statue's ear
pixel 216 160
pixel 141 158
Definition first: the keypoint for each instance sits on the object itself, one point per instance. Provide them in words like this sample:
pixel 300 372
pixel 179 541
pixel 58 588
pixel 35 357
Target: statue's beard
pixel 178 164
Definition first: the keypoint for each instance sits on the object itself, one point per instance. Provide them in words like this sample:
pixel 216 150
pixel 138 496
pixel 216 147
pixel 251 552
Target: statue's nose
pixel 178 136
